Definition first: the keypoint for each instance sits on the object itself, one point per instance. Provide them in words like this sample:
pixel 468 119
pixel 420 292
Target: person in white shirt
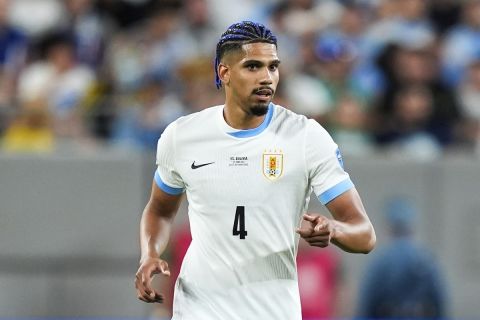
pixel 248 168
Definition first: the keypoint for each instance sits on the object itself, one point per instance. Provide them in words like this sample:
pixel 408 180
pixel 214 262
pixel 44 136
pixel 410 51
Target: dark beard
pixel 259 110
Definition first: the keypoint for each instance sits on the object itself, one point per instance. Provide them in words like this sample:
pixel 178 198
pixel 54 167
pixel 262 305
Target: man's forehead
pixel 259 51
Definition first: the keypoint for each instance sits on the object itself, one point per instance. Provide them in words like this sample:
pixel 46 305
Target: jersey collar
pixel 251 132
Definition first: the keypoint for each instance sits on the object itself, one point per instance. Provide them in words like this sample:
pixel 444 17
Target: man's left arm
pixel 350 229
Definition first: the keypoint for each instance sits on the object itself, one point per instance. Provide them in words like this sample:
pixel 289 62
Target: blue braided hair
pixel 237 35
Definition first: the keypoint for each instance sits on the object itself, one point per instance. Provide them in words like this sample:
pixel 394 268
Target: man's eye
pixel 252 67
pixel 273 67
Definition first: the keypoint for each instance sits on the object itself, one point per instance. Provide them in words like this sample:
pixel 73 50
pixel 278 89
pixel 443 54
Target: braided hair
pixel 237 35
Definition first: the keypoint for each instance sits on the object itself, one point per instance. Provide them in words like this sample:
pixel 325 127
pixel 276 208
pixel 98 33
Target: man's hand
pixel 143 279
pixel 318 232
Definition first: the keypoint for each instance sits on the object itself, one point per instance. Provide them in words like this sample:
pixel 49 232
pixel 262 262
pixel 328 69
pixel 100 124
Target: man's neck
pixel 237 118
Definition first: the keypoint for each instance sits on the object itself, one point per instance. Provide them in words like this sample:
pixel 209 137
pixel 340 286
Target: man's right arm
pixel 155 229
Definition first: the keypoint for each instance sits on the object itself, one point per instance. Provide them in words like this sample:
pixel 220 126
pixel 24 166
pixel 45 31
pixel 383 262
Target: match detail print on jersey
pixel 272 164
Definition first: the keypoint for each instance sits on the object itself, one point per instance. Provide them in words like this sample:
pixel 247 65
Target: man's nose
pixel 267 77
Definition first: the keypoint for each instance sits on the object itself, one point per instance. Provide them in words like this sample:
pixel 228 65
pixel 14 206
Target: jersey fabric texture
pixel 247 191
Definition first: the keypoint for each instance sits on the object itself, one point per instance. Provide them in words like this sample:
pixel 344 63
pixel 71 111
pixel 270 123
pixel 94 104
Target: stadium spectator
pixel 444 14
pixel 462 44
pixel 399 21
pixel 163 50
pixel 196 30
pixel 329 78
pixel 336 59
pixel 13 53
pixel 349 125
pixel 128 14
pixel 90 31
pixel 224 12
pixel 148 51
pixel 411 129
pixel 38 17
pixel 403 280
pixel 311 16
pixel 58 83
pixel 307 95
pixel 303 87
pixel 143 115
pixel 277 18
pixel 469 95
pixel 351 32
pixel 406 66
pixel 125 63
pixel 195 78
pixel 30 131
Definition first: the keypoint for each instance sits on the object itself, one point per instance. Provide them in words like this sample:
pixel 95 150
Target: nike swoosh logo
pixel 194 166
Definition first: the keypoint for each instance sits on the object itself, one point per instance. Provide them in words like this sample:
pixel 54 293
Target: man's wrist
pixel 149 256
pixel 334 231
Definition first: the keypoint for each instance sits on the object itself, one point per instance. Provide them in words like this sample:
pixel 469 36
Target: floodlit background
pixel 87 87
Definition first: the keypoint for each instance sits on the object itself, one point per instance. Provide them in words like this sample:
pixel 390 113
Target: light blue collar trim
pixel 255 131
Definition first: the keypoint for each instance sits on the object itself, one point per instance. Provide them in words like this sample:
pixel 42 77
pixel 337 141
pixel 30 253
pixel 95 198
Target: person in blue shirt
pixel 402 280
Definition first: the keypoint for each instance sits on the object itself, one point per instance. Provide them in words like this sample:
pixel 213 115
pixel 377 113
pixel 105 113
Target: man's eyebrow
pixel 252 61
pixel 258 62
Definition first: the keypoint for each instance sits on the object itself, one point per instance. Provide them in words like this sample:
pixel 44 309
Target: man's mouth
pixel 264 92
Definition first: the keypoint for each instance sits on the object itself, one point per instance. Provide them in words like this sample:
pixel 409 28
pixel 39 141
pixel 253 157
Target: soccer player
pixel 248 168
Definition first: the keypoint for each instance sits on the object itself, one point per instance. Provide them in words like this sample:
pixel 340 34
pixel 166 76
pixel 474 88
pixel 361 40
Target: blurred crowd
pixel 401 76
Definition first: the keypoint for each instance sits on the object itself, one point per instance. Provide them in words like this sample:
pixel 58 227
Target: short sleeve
pixel 166 176
pixel 324 164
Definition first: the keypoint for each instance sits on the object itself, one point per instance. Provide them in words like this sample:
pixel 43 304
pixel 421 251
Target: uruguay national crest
pixel 272 164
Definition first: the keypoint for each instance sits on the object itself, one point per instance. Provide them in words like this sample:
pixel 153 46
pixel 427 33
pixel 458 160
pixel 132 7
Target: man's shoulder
pixel 285 114
pixel 295 121
pixel 202 117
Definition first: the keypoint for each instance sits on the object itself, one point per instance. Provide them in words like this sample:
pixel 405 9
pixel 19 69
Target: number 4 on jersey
pixel 239 223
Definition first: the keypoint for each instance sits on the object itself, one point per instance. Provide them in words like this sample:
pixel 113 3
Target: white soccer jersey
pixel 247 191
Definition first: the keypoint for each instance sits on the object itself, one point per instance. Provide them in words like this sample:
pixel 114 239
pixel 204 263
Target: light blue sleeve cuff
pixel 335 191
pixel 165 188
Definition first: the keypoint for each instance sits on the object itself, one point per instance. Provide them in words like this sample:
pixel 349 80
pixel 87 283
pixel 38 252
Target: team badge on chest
pixel 272 164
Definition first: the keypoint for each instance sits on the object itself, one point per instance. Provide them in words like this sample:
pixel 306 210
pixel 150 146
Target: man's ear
pixel 224 73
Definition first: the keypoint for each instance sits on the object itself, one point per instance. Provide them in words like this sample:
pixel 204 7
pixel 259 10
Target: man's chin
pixel 259 109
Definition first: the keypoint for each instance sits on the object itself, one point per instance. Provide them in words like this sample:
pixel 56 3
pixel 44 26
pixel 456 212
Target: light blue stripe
pixel 255 131
pixel 335 191
pixel 164 187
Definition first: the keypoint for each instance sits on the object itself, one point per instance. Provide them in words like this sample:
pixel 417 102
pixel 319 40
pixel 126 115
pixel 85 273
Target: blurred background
pixel 88 86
